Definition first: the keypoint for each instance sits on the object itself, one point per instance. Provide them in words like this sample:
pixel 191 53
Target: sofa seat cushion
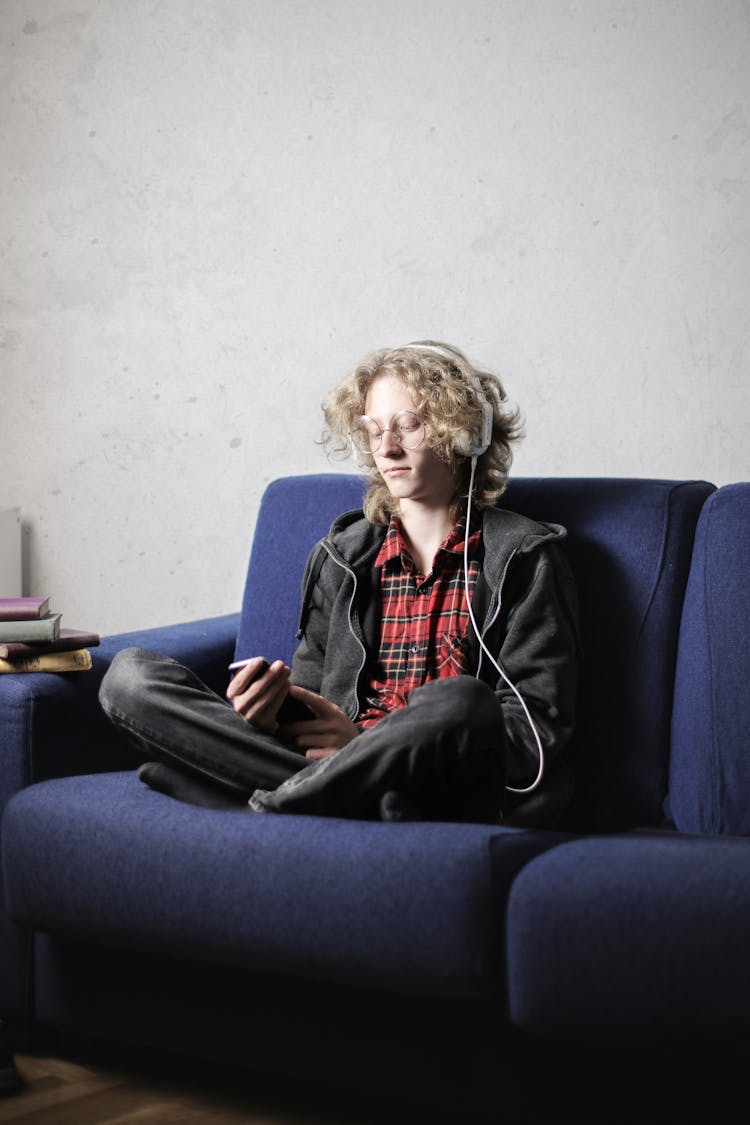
pixel 413 907
pixel 644 934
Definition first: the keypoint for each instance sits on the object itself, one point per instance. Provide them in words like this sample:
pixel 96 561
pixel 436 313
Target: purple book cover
pixel 23 609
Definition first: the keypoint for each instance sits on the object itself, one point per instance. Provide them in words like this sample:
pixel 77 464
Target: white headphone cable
pixel 485 649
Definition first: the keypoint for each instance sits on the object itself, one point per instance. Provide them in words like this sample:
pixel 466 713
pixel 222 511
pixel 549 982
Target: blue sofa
pixel 448 963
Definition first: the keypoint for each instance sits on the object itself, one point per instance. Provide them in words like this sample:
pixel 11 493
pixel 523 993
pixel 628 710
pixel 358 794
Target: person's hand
pixel 325 733
pixel 257 695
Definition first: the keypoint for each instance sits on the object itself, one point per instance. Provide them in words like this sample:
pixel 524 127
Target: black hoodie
pixel 526 604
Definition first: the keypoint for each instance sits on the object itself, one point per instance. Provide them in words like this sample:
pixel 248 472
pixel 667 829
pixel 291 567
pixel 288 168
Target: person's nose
pixel 389 447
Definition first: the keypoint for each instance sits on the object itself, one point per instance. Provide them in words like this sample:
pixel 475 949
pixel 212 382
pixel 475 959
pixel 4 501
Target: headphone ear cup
pixel 463 443
pixel 483 439
pixel 470 444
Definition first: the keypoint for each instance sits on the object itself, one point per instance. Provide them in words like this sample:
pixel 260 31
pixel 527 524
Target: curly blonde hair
pixel 442 385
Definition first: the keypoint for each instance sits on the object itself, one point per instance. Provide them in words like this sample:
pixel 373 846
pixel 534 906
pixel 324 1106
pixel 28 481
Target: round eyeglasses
pixel 405 428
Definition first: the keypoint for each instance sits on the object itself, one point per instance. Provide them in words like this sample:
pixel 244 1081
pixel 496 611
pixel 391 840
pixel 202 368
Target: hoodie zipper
pixel 490 621
pixel 339 561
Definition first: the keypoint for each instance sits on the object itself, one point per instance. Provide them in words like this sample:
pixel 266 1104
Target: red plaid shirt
pixel 423 620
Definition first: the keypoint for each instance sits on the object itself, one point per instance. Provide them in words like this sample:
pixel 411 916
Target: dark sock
pixel 188 788
pixel 396 806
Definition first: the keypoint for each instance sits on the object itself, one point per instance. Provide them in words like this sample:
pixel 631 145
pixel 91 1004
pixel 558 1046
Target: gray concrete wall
pixel 211 210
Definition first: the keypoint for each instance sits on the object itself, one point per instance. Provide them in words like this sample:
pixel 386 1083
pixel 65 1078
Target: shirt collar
pixel 394 545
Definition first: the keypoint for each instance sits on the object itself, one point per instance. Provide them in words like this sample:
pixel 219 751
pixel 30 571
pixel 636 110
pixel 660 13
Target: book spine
pixel 78 661
pixel 66 642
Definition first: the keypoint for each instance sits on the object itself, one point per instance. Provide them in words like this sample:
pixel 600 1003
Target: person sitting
pixel 436 671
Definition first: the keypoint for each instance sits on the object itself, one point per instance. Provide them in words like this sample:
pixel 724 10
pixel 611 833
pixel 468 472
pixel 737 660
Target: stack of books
pixel 32 640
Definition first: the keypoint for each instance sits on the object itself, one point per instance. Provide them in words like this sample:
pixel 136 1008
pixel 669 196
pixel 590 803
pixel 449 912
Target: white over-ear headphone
pixel 475 445
pixel 475 449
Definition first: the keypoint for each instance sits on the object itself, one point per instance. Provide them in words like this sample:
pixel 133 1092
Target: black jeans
pixel 443 753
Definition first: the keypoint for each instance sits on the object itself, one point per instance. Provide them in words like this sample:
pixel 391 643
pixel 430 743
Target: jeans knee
pixel 124 680
pixel 462 701
pixel 478 703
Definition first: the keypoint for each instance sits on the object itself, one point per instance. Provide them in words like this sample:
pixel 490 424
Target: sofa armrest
pixel 53 726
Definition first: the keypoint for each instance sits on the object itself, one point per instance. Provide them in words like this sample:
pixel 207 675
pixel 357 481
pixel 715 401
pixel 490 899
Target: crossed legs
pixel 443 753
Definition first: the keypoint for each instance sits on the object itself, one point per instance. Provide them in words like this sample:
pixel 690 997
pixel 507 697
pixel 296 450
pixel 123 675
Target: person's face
pixel 411 475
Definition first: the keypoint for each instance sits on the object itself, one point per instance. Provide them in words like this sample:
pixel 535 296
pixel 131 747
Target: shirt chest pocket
pixel 451 655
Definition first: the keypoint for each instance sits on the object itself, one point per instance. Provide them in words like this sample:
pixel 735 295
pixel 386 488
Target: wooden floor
pixel 151 1090
pixel 64 1092
pixel 59 1092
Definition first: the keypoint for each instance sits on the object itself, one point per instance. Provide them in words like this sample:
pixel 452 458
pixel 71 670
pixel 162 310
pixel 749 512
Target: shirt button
pixel 415 648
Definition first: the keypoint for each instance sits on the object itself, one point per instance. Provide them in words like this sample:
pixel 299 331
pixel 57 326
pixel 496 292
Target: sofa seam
pixel 667 524
pixel 714 772
pixel 659 568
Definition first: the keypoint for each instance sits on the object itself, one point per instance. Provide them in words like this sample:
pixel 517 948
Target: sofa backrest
pixel 710 761
pixel 295 512
pixel 629 544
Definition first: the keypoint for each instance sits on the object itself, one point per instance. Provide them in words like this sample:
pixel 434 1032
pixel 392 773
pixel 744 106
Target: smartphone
pixel 291 710
pixel 262 667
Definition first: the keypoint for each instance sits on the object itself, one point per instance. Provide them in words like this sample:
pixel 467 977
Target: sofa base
pixel 440 1050
pixel 131 1009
